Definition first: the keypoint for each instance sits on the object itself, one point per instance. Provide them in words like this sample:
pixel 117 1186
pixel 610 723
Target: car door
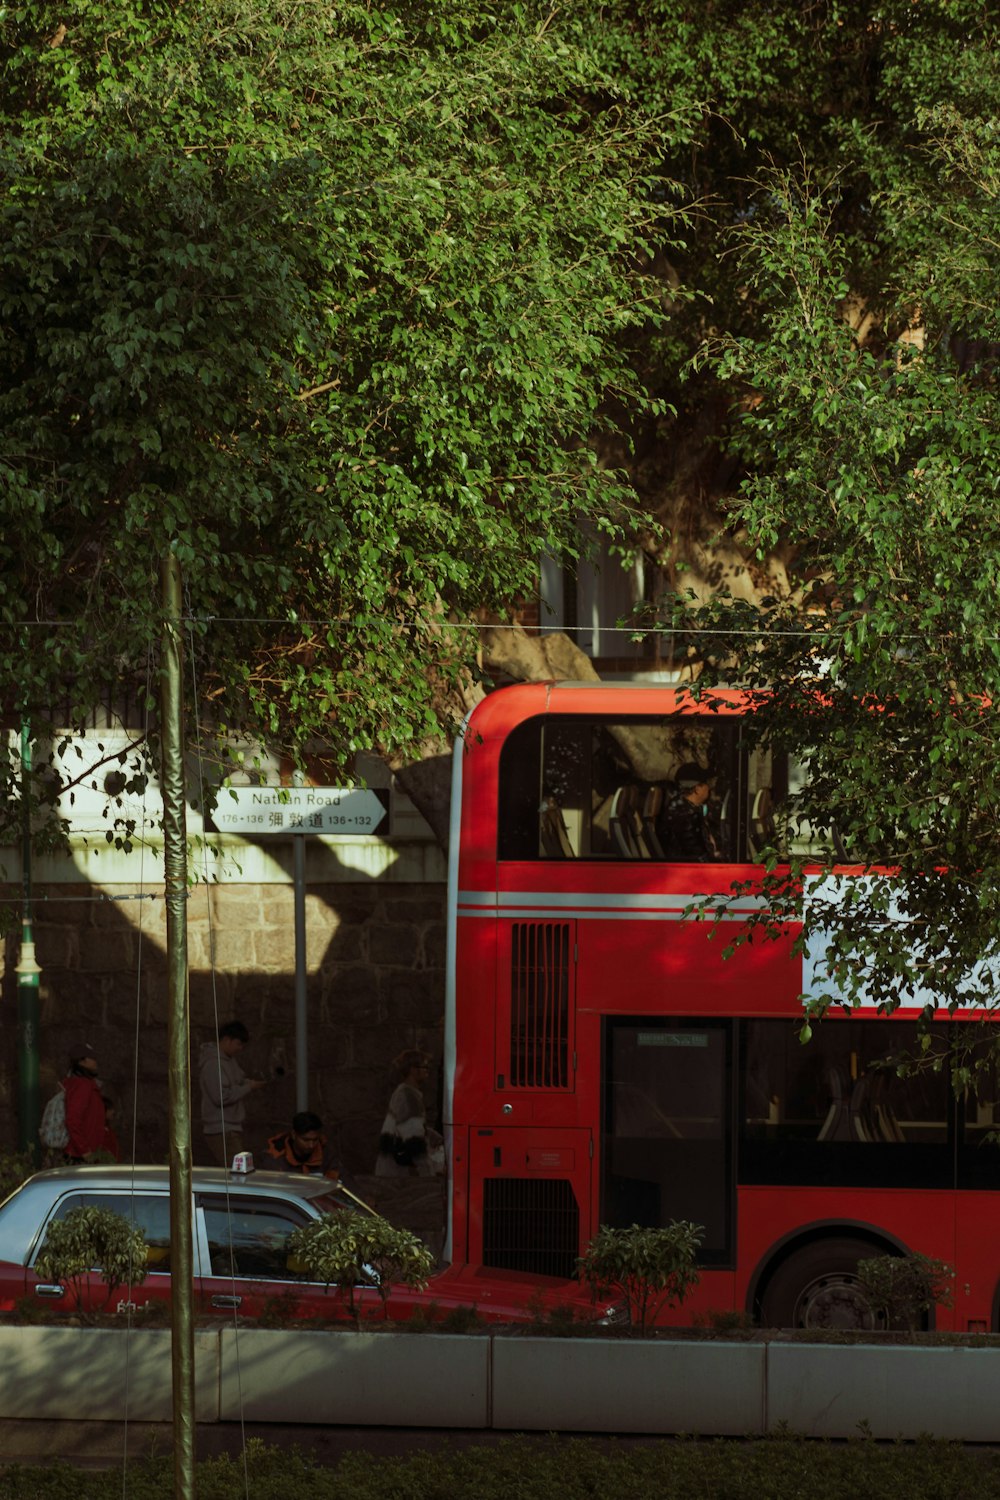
pixel 147 1211
pixel 245 1254
pixel 12 1285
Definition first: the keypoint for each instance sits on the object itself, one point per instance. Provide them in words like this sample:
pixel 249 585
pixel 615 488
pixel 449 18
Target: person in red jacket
pixel 110 1142
pixel 85 1113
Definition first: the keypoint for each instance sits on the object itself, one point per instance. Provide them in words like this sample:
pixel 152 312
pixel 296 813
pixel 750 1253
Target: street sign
pixel 327 810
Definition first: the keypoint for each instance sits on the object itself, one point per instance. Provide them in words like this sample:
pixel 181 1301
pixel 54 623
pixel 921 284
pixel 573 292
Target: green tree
pixel 847 372
pixel 330 302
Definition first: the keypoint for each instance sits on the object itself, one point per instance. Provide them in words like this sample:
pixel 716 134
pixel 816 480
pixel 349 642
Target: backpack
pixel 52 1130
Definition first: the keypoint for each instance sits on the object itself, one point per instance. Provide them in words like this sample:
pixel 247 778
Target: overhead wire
pixel 195 701
pixel 417 621
pixel 98 896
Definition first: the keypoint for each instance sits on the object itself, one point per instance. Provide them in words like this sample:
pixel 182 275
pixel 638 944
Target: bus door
pixel 530 1195
pixel 667 1145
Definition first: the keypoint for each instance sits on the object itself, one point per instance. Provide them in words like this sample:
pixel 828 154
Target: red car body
pixel 241 1223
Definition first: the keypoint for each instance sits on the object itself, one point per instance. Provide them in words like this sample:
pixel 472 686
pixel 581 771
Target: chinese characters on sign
pixel 327 810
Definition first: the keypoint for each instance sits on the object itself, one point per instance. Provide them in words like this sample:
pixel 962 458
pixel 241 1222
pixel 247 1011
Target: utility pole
pixel 27 972
pixel 178 1030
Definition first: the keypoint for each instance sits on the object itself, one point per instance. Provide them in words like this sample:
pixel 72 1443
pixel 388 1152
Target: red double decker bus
pixel 607 1064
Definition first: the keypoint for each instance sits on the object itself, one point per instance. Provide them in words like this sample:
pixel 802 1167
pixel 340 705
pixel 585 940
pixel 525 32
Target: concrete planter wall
pixel 506 1383
pixel 898 1391
pixel 599 1385
pixel 355 1379
pixel 100 1374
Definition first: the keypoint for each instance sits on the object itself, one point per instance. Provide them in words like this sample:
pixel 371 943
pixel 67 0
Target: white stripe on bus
pixel 616 907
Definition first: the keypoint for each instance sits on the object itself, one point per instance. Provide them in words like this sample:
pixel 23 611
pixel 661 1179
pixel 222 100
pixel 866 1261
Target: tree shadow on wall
pixel 375 985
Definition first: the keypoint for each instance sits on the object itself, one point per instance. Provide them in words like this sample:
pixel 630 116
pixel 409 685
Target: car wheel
pixel 818 1287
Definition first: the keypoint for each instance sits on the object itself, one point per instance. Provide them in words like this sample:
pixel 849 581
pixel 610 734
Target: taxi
pixel 241 1223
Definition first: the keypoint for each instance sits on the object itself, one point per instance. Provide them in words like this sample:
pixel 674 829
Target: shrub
pixel 15 1167
pixel 283 1310
pixel 29 1310
pixel 541 1468
pixel 649 1269
pixel 903 1288
pixel 725 1320
pixel 432 1318
pixel 93 1239
pixel 462 1319
pixel 560 1319
pixel 347 1250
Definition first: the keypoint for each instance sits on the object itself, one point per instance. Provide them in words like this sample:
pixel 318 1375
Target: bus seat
pixel 722 818
pixel 553 831
pixel 622 842
pixel 600 826
pixel 626 825
pixel 651 808
pixel 883 1116
pixel 836 1126
pixel 762 829
pixel 839 847
pixel 859 1109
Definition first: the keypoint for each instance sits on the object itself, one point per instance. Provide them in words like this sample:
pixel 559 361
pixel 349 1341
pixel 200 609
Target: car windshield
pixel 328 1203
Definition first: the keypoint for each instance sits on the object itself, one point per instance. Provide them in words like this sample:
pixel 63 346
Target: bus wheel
pixel 818 1287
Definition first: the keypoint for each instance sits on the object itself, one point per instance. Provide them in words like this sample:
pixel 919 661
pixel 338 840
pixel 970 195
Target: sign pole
pixel 178 1029
pixel 301 1005
pixel 302 811
pixel 301 996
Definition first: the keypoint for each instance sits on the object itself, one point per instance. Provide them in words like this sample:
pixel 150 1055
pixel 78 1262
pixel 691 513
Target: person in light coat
pixel 407 1147
pixel 224 1088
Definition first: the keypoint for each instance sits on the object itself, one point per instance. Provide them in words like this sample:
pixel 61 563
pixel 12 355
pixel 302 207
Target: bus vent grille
pixel 530 1224
pixel 539 1006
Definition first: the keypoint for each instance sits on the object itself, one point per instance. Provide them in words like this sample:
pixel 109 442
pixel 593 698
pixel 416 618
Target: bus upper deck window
pixel 679 789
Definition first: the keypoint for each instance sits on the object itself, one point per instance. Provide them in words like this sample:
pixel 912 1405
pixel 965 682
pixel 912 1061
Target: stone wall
pixel 375 965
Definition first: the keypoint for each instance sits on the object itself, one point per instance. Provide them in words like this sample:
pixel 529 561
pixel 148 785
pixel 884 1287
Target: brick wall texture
pixel 375 963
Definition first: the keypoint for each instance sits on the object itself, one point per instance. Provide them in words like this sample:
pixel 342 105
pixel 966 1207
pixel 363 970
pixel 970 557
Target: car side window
pixel 149 1212
pixel 248 1237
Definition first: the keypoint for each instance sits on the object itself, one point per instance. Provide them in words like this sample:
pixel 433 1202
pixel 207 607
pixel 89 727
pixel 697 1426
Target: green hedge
pixel 778 1468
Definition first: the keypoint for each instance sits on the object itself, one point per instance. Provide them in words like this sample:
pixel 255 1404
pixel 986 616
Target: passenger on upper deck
pixel 684 828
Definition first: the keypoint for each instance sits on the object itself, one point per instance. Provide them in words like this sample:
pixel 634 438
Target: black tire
pixel 818 1287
